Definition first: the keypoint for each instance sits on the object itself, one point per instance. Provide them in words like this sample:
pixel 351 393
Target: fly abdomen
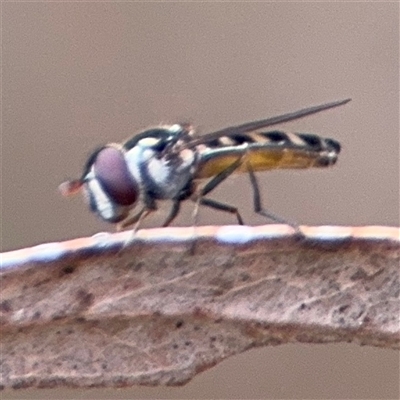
pixel 299 150
pixel 268 150
pixel 276 138
pixel 303 140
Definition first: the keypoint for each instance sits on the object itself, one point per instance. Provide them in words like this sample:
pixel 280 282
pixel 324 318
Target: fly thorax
pixel 167 176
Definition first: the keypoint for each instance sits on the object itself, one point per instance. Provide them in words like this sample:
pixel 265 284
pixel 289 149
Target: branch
pixel 100 312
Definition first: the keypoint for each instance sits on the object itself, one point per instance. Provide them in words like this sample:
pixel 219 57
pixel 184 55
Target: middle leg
pixel 211 185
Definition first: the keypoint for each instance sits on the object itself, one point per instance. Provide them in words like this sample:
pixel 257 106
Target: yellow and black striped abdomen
pixel 265 151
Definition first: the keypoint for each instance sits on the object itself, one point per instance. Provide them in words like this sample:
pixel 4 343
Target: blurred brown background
pixel 77 75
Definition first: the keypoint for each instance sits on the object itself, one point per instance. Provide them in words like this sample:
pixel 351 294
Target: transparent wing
pixel 263 123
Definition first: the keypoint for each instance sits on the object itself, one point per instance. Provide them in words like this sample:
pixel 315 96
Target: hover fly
pixel 123 183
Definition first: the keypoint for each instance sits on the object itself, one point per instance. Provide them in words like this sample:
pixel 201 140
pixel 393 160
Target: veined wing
pixel 264 123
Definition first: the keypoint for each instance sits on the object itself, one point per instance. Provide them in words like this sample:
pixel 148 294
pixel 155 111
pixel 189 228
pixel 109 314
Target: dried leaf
pixel 99 312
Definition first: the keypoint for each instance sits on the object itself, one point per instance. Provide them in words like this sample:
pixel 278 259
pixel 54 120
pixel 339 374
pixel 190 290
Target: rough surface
pixel 158 312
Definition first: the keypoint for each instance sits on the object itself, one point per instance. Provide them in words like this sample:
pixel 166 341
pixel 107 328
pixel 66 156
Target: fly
pixel 123 183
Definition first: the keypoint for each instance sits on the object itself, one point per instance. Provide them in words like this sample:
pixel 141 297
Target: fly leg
pixel 134 219
pixel 258 208
pixel 150 206
pixel 222 207
pixel 173 213
pixel 211 185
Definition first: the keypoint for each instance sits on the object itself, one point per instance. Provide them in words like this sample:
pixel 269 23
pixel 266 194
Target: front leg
pixel 129 221
pixel 149 207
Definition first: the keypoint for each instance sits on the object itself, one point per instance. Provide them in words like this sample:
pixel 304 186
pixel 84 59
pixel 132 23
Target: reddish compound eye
pixel 114 177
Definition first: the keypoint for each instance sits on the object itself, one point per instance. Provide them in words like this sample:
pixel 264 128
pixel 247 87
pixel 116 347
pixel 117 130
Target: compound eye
pixel 112 173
